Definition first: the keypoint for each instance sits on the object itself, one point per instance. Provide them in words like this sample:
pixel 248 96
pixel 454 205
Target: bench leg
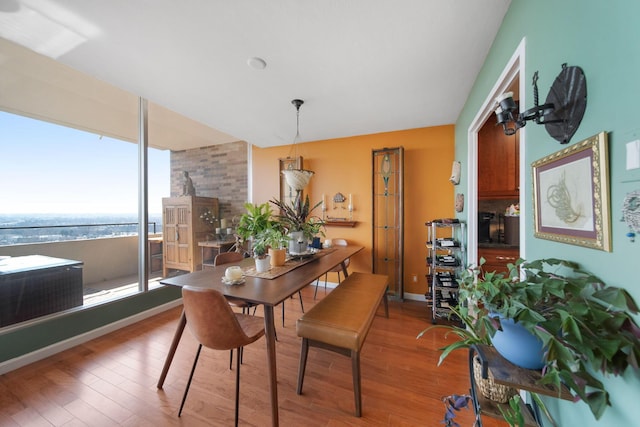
pixel 304 351
pixel 355 367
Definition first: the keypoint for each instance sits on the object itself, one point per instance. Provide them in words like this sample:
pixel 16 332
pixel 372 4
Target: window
pixel 70 202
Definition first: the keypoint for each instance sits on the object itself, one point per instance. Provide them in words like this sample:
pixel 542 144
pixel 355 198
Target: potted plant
pixel 254 221
pixel 251 227
pixel 275 238
pixel 298 222
pixel 582 323
pixel 260 256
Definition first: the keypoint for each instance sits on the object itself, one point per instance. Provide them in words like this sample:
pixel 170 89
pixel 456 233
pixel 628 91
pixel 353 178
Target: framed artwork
pixel 288 194
pixel 571 195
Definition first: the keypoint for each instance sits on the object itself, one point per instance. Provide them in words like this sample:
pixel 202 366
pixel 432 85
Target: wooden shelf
pixel 508 374
pixel 339 223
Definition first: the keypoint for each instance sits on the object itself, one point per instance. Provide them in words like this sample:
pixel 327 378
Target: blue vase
pixel 518 345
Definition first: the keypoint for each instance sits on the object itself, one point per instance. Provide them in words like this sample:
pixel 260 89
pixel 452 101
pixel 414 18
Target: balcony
pixel 109 267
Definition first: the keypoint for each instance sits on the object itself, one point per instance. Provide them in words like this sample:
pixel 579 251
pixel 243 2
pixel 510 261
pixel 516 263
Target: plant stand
pixel 506 373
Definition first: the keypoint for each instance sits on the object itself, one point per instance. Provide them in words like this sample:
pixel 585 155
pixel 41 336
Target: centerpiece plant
pixel 296 217
pixel 582 323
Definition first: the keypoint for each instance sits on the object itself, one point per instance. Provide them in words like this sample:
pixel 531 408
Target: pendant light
pixel 297 178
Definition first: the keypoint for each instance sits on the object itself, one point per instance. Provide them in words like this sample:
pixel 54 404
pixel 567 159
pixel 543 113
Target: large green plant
pixel 297 216
pixel 583 323
pixel 253 225
pixel 255 220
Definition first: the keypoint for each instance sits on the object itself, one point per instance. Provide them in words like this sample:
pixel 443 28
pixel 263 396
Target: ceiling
pixel 361 66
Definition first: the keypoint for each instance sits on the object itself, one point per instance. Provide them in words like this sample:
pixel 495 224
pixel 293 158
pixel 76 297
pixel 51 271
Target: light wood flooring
pixel 112 380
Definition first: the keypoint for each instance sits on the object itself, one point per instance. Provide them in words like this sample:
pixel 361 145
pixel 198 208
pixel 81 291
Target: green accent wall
pixel 42 334
pixel 602 37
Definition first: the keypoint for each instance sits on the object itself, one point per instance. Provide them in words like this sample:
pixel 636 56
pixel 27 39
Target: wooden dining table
pixel 268 292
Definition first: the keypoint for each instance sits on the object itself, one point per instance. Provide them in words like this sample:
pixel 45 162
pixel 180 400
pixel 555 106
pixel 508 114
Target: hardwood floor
pixel 112 380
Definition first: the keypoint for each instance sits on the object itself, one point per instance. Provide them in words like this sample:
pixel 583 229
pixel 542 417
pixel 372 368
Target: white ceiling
pixel 361 66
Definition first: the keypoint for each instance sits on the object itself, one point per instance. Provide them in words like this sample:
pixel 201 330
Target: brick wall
pixel 216 171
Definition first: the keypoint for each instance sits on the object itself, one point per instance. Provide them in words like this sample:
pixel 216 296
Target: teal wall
pixel 602 37
pixel 42 334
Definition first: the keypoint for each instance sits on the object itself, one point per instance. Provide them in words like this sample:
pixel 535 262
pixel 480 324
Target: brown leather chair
pixel 231 258
pixel 215 325
pixel 336 269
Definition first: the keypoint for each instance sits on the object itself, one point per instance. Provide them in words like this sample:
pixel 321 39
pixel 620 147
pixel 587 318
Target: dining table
pixel 267 289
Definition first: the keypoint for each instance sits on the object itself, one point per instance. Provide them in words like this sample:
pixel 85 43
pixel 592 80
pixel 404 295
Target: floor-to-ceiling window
pixel 68 217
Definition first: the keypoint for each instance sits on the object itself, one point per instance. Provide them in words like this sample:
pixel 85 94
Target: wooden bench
pixel 340 322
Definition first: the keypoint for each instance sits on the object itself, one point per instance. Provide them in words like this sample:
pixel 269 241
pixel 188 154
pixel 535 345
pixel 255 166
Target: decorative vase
pixel 263 264
pixel 519 346
pixel 278 257
pixel 297 243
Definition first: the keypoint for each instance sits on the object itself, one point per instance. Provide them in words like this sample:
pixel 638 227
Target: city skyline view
pixel 52 169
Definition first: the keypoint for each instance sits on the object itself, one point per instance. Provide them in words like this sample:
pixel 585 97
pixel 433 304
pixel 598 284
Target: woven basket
pixel 489 389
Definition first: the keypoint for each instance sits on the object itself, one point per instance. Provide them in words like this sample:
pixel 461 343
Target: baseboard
pixel 414 297
pixel 26 359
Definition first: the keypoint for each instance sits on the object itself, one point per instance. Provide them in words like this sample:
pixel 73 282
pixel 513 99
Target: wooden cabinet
pixel 182 229
pixel 498 162
pixel 498 258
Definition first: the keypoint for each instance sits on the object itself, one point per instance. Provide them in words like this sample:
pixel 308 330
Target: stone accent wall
pixel 216 171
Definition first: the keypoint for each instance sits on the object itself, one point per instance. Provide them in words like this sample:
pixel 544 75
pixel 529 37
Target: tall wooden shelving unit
pixel 182 229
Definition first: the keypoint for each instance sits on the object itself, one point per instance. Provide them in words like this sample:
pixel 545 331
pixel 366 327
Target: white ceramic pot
pixel 263 264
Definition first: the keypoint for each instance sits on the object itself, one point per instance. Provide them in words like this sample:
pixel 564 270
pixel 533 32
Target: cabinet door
pixel 498 258
pixel 176 236
pixel 498 162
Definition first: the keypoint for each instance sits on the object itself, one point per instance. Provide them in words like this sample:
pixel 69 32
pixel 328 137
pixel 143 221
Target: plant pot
pixel 263 264
pixel 297 243
pixel 518 345
pixel 278 257
pixel 488 387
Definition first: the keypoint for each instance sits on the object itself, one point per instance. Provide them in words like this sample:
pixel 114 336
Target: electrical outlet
pixel 415 278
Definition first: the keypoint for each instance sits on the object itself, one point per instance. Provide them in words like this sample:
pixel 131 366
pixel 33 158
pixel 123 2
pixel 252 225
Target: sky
pixel 47 168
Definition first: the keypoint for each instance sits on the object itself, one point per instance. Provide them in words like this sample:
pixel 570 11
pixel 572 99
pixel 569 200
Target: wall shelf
pixel 339 223
pixel 506 373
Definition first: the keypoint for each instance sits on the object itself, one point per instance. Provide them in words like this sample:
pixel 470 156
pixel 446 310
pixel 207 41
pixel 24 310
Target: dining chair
pixel 336 269
pixel 229 258
pixel 215 325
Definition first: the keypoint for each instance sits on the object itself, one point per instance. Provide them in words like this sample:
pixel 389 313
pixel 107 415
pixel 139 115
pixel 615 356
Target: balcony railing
pixel 33 233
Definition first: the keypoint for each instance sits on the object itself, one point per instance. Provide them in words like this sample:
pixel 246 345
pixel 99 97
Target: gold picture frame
pixel 288 194
pixel 571 195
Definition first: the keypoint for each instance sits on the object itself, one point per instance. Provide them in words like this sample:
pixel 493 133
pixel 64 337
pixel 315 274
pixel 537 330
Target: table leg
pixel 344 270
pixel 172 350
pixel 270 335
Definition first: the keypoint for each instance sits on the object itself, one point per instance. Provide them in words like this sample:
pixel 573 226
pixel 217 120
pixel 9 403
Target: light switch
pixel 633 154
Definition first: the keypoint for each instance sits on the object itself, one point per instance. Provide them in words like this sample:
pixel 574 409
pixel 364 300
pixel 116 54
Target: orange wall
pixel 344 165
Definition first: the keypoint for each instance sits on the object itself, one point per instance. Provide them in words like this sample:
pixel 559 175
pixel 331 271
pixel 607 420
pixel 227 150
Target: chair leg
pixel 301 304
pixel 231 357
pixel 195 362
pixel 315 293
pixel 238 363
